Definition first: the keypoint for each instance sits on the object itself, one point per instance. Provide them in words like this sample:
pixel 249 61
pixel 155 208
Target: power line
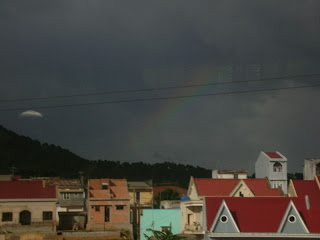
pixel 157 88
pixel 156 98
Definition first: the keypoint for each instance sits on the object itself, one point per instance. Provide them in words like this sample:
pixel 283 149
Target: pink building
pixel 108 205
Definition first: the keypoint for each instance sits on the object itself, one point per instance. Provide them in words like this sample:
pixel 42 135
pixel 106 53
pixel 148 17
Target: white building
pixel 272 165
pixel 311 168
pixel 229 174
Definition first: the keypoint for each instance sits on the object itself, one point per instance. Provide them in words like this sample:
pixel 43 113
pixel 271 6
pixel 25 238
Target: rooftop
pixel 26 190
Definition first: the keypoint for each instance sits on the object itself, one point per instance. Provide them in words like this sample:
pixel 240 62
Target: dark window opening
pixel 104 186
pixel 47 215
pixel 97 208
pixel 277 167
pixel 106 214
pixel 119 207
pixel 6 216
pixel 138 197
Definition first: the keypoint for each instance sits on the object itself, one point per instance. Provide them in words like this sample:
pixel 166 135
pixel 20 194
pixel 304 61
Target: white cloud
pixel 31 113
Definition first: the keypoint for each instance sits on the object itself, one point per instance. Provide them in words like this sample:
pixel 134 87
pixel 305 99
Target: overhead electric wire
pixel 157 98
pixel 156 88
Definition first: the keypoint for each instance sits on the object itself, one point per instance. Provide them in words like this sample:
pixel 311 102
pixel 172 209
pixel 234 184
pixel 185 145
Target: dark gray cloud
pixel 71 47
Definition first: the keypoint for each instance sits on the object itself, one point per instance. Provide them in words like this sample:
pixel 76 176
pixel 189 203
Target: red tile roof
pixel 262 214
pixel 260 187
pixel 26 190
pixel 215 187
pixel 310 188
pixel 223 187
pixel 273 155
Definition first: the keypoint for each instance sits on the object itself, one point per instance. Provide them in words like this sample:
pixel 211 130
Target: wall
pixel 76 199
pixel 157 218
pixel 145 197
pixel 36 209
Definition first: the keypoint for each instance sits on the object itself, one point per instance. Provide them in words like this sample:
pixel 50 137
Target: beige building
pixel 27 206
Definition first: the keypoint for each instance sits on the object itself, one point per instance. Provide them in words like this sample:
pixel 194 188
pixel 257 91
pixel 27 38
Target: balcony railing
pixel 193 227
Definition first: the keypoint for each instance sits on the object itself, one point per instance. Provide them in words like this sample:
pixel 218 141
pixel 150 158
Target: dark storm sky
pixel 51 48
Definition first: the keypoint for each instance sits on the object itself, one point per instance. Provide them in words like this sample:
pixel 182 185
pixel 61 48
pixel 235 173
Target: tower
pixel 272 165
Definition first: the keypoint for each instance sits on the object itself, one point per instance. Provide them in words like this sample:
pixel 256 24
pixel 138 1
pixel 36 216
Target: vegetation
pixel 32 158
pixel 168 194
pixel 166 234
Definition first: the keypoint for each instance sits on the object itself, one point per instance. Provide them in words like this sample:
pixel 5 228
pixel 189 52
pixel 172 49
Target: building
pixel 159 220
pixel 141 197
pixel 71 212
pixel 199 188
pixel 260 218
pixel 230 174
pixel 272 165
pixel 27 206
pixel 311 168
pixel 108 205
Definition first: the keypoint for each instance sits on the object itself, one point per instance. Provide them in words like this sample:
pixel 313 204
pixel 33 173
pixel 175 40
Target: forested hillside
pixel 31 158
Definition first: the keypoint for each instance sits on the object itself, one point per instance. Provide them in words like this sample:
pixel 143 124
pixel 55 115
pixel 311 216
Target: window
pixel 6 216
pixel 223 219
pixel 97 208
pixel 66 196
pixel 292 219
pixel 105 186
pixel 47 215
pixel 277 167
pixel 119 207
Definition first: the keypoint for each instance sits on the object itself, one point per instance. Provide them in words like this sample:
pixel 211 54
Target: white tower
pixel 272 165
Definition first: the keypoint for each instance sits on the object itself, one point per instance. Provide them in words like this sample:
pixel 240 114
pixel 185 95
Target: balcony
pixel 195 228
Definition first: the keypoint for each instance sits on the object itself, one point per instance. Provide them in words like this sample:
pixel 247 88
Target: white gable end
pixel 224 222
pixel 292 221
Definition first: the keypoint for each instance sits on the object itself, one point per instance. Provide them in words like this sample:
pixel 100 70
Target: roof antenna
pixel 307 202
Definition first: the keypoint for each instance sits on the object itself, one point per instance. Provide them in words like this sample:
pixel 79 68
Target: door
pixel 25 218
pixel 190 219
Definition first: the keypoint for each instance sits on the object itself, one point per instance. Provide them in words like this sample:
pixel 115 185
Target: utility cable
pixel 156 98
pixel 157 88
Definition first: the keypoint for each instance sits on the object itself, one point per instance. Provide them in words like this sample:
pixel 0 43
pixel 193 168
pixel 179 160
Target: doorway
pixel 25 218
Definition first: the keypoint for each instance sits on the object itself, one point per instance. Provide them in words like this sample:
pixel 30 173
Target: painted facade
pixel 272 165
pixel 159 219
pixel 108 205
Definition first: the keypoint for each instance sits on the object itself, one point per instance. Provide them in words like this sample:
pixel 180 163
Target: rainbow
pixel 169 109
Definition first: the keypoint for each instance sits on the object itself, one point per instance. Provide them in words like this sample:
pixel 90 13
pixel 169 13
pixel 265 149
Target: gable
pixel 292 221
pixel 241 190
pixel 224 222
pixel 192 190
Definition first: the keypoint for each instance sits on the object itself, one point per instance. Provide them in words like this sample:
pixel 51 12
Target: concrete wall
pixel 157 218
